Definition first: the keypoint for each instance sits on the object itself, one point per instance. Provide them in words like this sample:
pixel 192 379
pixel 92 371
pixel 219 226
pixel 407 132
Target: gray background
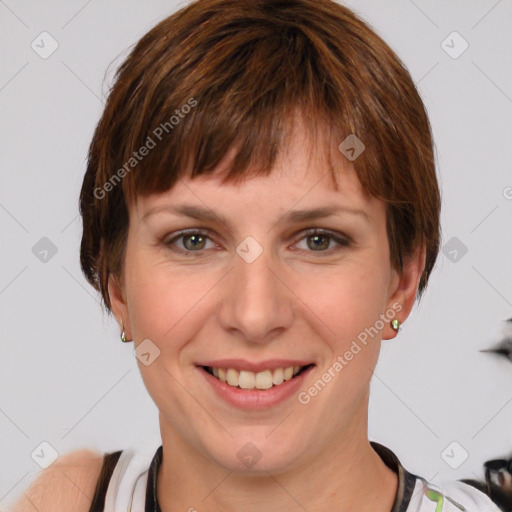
pixel 66 378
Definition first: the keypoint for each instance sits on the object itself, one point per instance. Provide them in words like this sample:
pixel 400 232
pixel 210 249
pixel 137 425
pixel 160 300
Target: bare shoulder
pixel 68 484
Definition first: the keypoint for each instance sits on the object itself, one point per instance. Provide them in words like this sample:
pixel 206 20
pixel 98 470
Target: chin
pixel 256 452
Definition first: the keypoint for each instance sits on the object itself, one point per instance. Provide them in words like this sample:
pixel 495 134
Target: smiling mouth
pixel 266 379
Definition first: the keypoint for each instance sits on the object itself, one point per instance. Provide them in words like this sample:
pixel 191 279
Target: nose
pixel 256 305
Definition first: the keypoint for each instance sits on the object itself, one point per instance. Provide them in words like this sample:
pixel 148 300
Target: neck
pixel 348 476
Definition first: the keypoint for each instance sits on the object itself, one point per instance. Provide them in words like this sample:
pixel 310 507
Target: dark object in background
pixel 504 347
pixel 498 483
pixel 498 472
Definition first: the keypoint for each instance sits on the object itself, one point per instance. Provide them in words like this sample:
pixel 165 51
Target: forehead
pixel 307 172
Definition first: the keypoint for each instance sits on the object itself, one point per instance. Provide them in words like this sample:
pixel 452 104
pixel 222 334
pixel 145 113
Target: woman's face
pixel 249 288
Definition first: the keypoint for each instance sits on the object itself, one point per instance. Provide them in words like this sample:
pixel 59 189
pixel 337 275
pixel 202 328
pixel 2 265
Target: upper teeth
pixel 250 380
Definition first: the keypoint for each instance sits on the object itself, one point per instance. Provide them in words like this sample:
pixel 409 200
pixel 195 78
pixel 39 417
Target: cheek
pixel 347 301
pixel 163 299
pixel 352 309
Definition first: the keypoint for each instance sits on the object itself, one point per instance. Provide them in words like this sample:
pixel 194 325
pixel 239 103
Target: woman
pixel 260 210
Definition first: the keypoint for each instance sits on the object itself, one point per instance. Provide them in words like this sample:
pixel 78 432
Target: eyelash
pixel 341 241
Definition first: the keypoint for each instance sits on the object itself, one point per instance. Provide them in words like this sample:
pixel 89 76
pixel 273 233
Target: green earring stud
pixel 395 324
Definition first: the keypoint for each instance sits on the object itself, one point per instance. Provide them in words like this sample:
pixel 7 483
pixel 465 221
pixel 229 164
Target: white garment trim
pixel 470 497
pixel 127 487
pixel 464 494
pixel 138 501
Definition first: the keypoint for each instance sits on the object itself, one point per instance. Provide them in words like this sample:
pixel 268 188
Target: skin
pixel 293 301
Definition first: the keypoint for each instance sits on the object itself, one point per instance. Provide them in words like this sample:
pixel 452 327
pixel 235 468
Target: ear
pixel 118 303
pixel 403 289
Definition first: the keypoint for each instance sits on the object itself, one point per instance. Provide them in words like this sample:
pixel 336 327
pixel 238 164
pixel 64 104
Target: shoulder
pixel 68 484
pixel 457 496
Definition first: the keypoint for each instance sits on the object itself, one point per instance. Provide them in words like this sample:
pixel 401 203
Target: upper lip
pixel 251 366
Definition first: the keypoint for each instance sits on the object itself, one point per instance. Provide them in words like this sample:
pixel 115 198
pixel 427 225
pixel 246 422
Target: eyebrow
pixel 293 216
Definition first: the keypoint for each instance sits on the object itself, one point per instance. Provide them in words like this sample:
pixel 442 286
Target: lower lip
pixel 255 399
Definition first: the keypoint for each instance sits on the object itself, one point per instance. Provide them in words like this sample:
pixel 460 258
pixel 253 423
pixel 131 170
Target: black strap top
pixel 109 464
pixel 406 480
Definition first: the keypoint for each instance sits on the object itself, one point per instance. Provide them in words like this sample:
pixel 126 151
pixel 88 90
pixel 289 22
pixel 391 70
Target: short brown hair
pixel 232 73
